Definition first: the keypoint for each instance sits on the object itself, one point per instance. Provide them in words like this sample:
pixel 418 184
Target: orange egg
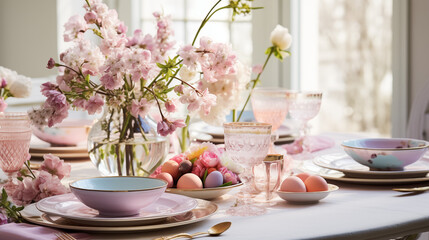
pixel 189 181
pixel 316 184
pixel 166 177
pixel 171 167
pixel 303 176
pixel 293 184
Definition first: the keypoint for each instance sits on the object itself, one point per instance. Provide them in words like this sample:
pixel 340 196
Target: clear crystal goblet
pixel 247 144
pixel 15 136
pixel 304 106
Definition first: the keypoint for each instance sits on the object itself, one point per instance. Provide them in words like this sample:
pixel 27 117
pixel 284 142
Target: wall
pixel 28 35
pixel 419 46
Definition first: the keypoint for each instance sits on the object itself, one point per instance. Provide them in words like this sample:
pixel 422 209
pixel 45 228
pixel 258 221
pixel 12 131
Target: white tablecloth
pixel 353 212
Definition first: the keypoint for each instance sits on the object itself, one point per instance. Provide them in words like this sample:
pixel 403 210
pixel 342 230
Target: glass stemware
pixel 247 144
pixel 304 106
pixel 270 105
pixel 15 136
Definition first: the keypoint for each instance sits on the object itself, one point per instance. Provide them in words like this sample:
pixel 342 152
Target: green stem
pixel 234 112
pixel 125 126
pixel 185 134
pixel 204 22
pixel 254 85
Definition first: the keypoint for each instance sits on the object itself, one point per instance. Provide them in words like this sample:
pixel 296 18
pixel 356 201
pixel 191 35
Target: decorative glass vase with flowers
pixel 128 76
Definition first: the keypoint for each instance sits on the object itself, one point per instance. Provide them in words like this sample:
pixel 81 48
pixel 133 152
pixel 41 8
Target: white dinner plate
pixel 205 193
pixel 306 197
pixel 345 164
pixel 204 210
pixel 69 207
pixel 329 174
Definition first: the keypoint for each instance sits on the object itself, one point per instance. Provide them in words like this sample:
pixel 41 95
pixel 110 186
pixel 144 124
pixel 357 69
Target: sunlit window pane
pixel 355 72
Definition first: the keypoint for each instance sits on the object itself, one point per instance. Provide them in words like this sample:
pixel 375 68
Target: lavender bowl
pixel 385 154
pixel 118 196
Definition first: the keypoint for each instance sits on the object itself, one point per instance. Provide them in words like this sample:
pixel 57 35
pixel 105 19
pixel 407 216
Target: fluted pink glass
pixel 247 144
pixel 270 105
pixel 15 136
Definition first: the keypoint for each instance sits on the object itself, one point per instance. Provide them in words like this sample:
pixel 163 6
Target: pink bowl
pixel 70 132
pixel 385 154
pixel 118 196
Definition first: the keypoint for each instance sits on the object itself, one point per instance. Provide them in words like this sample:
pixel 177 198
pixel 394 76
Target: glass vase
pixel 121 145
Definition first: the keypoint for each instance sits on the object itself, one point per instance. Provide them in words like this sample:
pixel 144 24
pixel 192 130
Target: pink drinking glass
pixel 15 136
pixel 247 144
pixel 270 105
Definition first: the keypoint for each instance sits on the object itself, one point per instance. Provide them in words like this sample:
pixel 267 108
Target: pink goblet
pixel 270 105
pixel 247 144
pixel 15 136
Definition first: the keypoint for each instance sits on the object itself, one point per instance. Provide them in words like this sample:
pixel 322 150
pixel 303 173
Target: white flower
pixel 187 74
pixel 18 85
pixel 21 87
pixel 226 161
pixel 281 38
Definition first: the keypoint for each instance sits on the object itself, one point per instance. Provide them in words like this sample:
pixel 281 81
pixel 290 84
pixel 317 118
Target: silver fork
pixel 64 236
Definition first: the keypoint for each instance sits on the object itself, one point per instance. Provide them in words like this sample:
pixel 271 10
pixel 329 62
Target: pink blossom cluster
pixel 223 76
pixel 133 74
pixel 26 189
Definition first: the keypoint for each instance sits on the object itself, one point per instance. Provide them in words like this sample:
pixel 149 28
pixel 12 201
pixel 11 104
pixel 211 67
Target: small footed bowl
pixel 118 196
pixel 70 132
pixel 306 197
pixel 385 154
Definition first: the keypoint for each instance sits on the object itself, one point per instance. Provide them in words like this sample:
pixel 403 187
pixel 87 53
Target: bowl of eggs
pixel 118 196
pixel 305 188
pixel 70 132
pixel 385 154
pixel 208 184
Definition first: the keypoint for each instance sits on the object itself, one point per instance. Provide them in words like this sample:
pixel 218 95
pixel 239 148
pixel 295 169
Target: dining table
pixel 354 211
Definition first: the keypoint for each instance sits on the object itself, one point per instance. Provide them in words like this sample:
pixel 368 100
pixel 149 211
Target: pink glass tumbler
pixel 15 136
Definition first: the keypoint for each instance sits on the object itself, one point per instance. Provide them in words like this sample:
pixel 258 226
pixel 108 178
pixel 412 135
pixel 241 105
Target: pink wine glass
pixel 15 136
pixel 247 144
pixel 304 106
pixel 270 105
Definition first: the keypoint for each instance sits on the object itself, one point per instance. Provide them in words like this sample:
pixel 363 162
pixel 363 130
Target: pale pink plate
pixel 69 207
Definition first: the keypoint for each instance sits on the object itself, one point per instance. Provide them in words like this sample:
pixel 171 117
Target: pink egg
pixel 316 184
pixel 171 167
pixel 303 176
pixel 166 177
pixel 189 181
pixel 293 184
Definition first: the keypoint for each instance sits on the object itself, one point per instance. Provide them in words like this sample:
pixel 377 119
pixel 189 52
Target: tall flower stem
pixel 185 135
pixel 255 81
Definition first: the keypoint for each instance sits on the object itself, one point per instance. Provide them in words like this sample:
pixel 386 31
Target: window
pixel 346 51
pixel 187 15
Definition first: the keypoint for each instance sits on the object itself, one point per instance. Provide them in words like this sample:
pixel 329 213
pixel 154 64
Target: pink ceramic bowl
pixel 385 154
pixel 70 132
pixel 118 196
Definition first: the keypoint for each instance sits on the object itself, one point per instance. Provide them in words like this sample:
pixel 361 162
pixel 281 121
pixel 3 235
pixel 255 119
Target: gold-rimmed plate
pixel 205 193
pixel 204 210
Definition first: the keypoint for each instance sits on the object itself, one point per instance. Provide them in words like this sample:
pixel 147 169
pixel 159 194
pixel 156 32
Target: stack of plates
pixel 202 132
pixel 341 167
pixel 67 212
pixel 67 152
